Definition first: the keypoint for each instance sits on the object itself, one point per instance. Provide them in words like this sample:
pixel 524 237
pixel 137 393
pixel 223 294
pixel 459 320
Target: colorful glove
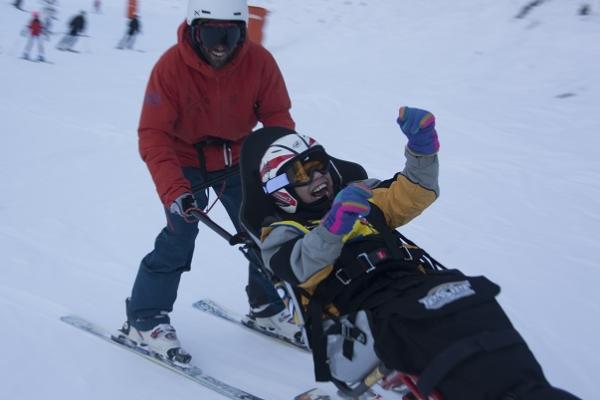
pixel 185 206
pixel 419 126
pixel 350 203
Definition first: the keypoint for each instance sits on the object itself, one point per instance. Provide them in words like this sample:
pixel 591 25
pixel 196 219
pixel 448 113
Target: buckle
pixel 227 156
pixel 351 332
pixel 346 331
pixel 345 280
pixel 366 257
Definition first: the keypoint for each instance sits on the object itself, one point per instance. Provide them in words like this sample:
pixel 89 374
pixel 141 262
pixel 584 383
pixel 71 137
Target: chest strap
pixel 368 261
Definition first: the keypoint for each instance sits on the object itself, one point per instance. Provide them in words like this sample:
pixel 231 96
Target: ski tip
pixel 68 318
pixel 313 394
pixel 206 304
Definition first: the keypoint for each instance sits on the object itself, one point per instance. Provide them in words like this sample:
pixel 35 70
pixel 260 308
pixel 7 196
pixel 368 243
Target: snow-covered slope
pixel 517 105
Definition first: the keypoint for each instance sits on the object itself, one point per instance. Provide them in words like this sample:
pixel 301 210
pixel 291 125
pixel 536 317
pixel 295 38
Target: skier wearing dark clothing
pixel 373 302
pixel 76 27
pixel 133 28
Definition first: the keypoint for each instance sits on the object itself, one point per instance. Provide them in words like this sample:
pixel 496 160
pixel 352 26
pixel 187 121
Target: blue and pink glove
pixel 350 203
pixel 419 127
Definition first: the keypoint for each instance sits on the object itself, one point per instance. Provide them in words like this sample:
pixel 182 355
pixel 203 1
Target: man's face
pixel 320 186
pixel 219 40
pixel 219 55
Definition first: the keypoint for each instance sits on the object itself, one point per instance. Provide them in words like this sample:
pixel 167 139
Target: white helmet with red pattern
pixel 280 154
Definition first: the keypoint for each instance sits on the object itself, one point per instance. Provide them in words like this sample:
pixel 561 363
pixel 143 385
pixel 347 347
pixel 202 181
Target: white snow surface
pixel 517 105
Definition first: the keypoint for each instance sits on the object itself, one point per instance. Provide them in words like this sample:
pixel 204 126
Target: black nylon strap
pixel 460 351
pixel 377 219
pixel 201 158
pixel 318 342
pixel 348 346
pixel 351 266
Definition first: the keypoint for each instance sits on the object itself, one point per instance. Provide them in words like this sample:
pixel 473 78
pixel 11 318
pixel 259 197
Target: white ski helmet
pixel 227 10
pixel 273 165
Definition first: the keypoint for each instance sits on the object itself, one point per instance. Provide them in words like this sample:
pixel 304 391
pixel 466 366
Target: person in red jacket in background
pixel 34 30
pixel 204 97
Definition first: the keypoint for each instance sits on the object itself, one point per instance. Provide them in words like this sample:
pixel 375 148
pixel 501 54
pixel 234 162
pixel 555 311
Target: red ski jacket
pixel 35 27
pixel 187 102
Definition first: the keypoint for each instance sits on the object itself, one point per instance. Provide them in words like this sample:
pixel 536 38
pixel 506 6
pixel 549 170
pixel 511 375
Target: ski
pixel 189 371
pixel 319 394
pixel 313 394
pixel 211 307
pixel 36 60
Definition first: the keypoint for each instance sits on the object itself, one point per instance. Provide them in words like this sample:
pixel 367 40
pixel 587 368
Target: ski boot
pixel 161 341
pixel 279 323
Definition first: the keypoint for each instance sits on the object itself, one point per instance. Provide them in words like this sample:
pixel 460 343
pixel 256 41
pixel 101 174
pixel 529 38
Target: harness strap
pixel 350 332
pixel 318 341
pixel 364 263
pixel 377 219
pixel 394 240
pixel 347 333
pixel 460 351
pixel 227 154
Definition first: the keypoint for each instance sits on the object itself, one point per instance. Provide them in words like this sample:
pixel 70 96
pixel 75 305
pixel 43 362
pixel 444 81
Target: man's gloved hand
pixel 348 205
pixel 184 206
pixel 419 126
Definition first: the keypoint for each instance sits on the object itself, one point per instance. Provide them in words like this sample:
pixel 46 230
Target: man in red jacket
pixel 204 96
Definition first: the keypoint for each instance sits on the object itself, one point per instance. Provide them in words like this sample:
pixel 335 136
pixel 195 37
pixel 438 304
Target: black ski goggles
pixel 300 170
pixel 212 34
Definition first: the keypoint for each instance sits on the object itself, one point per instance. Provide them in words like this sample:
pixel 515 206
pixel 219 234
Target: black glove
pixel 185 206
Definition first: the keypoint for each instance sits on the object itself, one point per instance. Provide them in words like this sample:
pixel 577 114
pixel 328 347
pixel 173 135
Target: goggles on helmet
pixel 299 171
pixel 212 34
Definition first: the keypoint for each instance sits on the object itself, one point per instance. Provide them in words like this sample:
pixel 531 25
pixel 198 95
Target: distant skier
pixel 585 9
pixel 34 30
pixel 76 27
pixel 97 6
pixel 133 28
pixel 48 14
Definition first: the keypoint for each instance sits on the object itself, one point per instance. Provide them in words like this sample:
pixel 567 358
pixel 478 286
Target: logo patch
pixel 285 198
pixel 446 293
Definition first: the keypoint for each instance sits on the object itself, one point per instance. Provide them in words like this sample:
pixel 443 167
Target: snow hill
pixel 516 102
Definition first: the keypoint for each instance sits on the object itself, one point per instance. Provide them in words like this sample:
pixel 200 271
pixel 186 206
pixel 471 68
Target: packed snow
pixel 516 102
